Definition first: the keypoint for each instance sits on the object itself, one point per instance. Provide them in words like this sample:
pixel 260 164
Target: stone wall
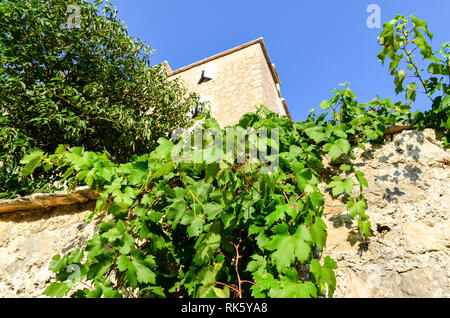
pixel 33 231
pixel 408 204
pixel 243 79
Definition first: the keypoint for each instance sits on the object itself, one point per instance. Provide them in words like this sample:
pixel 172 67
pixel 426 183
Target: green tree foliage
pixel 89 84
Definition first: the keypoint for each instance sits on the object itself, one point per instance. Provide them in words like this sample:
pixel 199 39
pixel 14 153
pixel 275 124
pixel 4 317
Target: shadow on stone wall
pixel 408 203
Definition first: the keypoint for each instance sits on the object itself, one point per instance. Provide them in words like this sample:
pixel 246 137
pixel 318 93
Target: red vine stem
pixel 236 264
pixel 285 196
pixel 229 259
pixel 246 281
pixel 88 286
pixel 300 196
pixel 230 287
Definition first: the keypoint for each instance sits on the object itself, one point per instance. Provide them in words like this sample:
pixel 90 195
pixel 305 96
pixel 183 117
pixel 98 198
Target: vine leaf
pixel 207 245
pixel 288 247
pixel 324 275
pixel 58 289
pixel 293 289
pixel 319 233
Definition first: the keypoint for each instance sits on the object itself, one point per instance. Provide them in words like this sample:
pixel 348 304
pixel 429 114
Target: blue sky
pixel 315 45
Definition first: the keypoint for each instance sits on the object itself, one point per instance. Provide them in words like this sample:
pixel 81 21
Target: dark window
pixel 204 79
pixel 197 111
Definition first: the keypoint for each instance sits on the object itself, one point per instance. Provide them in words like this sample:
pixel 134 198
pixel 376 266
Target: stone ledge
pixel 48 200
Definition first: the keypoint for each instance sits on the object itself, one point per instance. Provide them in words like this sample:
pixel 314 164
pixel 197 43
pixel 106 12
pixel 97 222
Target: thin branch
pixel 230 287
pixel 236 264
pixel 229 259
pixel 246 281
pixel 285 196
pixel 300 196
pixel 415 67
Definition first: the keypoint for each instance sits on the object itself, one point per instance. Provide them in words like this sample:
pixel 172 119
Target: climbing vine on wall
pixel 230 229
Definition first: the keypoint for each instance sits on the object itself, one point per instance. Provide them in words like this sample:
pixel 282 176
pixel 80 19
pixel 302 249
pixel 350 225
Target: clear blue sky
pixel 315 45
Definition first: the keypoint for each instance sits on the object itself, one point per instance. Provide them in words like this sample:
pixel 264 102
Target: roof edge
pixel 238 48
pixel 286 109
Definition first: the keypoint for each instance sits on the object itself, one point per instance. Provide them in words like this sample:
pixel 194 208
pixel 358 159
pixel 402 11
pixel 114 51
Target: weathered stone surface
pixel 47 200
pixel 243 77
pixel 28 241
pixel 407 256
pixel 408 203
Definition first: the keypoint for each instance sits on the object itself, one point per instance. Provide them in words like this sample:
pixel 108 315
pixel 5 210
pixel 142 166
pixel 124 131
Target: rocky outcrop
pixel 408 203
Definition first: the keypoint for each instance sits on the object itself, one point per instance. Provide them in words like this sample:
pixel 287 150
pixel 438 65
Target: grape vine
pixel 225 229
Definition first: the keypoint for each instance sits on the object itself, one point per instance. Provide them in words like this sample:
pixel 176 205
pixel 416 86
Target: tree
pixel 71 74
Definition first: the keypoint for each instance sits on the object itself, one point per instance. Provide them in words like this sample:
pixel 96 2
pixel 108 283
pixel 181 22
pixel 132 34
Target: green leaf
pixel 348 186
pixel 123 263
pixel 143 273
pixel 213 209
pixel 360 177
pixel 207 245
pixel 325 105
pixel 319 233
pixel 57 289
pixel 164 170
pixel 207 279
pixel 343 145
pixel 279 213
pixel 222 293
pixel 163 151
pixel 33 155
pixel 337 186
pixel 138 172
pixel 411 91
pixel 112 235
pixel 57 263
pixel 96 293
pixel 339 131
pixel 28 169
pixel 333 150
pixel 356 208
pixel 196 226
pixel 211 172
pixel 422 25
pixel 293 289
pixel 364 227
pixel 118 209
pixel 370 134
pixel 289 247
pixel 316 199
pixel 324 275
pixel 175 212
pixel 315 133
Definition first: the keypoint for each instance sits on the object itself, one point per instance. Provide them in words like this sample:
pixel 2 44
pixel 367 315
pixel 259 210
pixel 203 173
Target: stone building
pixel 234 82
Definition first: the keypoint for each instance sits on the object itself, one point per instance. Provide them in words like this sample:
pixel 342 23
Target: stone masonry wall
pixel 29 240
pixel 35 228
pixel 243 80
pixel 408 203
